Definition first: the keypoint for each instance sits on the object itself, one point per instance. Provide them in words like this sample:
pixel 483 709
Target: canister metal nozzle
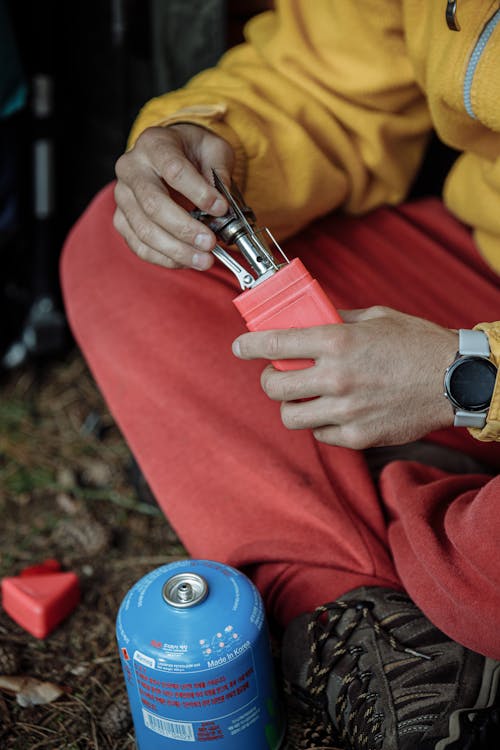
pixel 238 227
pixel 185 590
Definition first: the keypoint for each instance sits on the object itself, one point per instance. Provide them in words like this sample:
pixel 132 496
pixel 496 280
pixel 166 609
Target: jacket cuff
pixel 491 430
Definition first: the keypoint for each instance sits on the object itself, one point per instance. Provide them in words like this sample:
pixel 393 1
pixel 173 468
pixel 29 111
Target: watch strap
pixel 473 343
pixel 469 419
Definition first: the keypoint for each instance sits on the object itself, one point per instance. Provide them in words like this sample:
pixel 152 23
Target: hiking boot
pixel 377 675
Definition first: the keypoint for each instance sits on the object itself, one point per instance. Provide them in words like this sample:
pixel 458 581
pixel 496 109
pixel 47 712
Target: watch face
pixel 470 383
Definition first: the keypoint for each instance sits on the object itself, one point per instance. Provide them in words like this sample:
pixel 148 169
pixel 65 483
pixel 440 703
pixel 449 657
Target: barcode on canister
pixel 175 730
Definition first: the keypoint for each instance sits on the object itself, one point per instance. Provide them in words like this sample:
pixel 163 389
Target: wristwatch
pixel 470 379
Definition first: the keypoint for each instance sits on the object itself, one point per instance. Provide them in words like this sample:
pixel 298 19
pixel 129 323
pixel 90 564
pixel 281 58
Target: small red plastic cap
pixel 47 566
pixel 39 603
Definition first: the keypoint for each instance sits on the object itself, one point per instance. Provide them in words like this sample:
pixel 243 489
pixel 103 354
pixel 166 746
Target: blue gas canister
pixel 196 656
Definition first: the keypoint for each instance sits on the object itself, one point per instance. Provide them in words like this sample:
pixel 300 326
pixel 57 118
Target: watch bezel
pixel 459 362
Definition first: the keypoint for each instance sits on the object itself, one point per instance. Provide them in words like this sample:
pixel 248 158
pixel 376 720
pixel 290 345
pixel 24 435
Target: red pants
pixel 305 520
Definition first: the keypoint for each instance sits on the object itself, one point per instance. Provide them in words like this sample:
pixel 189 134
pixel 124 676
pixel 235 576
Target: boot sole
pixel 486 713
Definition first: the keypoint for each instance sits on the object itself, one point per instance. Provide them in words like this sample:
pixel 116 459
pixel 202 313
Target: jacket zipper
pixel 477 52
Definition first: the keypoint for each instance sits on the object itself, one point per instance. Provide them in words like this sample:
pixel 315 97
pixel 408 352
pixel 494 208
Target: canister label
pixel 200 709
pixel 199 674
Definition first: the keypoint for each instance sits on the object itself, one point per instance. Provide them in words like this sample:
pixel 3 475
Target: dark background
pixel 103 59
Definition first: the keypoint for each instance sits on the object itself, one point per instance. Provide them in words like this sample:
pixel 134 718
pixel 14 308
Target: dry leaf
pixel 97 473
pixel 116 719
pixel 67 503
pixel 29 691
pixel 9 659
pixel 80 670
pixel 66 478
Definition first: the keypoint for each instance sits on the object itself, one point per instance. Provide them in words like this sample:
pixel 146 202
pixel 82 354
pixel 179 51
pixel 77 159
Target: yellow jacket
pixel 330 103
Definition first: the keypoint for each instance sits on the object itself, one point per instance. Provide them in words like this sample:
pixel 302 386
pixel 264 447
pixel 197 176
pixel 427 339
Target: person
pixel 359 499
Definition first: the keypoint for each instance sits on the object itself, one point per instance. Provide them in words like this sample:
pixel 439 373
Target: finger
pixel 292 384
pixel 163 149
pixel 152 235
pixel 307 415
pixel 332 435
pixel 217 156
pixel 294 343
pixel 222 171
pixel 156 204
pixel 178 172
pixel 344 436
pixel 139 248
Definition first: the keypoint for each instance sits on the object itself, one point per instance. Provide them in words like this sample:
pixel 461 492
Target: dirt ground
pixel 66 492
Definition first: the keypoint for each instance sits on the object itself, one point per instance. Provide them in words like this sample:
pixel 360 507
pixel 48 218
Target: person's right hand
pixel 168 168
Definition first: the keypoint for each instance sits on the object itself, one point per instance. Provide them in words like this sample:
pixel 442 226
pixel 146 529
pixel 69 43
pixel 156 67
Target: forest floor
pixel 66 493
pixel 70 491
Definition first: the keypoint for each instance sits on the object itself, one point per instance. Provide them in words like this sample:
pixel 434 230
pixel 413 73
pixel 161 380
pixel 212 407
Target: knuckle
pixel 170 263
pixel 266 382
pixel 178 254
pixel 205 198
pixel 325 435
pixel 282 392
pixel 118 170
pixel 121 166
pixel 147 139
pixel 186 232
pixel 286 416
pixel 143 138
pixel 341 384
pixel 339 342
pixel 355 437
pixel 273 385
pixel 117 193
pixel 150 203
pixel 272 345
pixel 290 417
pixel 144 232
pixel 289 385
pixel 173 169
pixel 118 220
pixel 142 251
pixel 147 147
pixel 379 311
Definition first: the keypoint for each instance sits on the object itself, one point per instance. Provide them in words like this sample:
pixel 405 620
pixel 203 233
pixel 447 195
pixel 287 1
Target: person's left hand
pixel 377 380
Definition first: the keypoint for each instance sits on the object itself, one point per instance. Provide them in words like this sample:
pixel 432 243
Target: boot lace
pixel 362 725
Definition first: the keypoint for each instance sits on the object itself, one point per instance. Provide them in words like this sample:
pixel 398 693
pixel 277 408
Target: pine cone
pixel 9 659
pixel 82 535
pixel 116 719
pixel 308 733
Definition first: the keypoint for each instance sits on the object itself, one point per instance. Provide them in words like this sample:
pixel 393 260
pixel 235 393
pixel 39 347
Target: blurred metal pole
pixel 44 330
